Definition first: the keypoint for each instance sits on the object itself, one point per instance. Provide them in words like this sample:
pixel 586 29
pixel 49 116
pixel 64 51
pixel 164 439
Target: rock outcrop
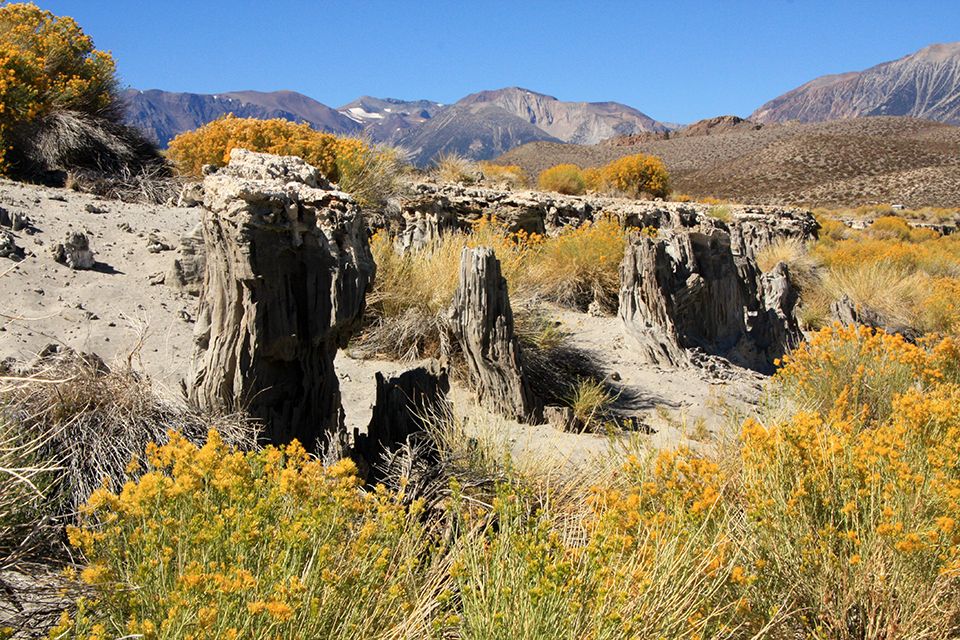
pixel 404 406
pixel 187 271
pixel 9 247
pixel 287 269
pixel 846 312
pixel 431 208
pixel 700 288
pixel 74 251
pixel 482 321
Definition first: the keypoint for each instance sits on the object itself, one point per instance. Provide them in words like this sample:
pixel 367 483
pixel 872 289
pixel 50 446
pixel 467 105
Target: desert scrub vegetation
pixel 856 492
pixel 69 426
pixel 219 544
pixel 907 275
pixel 509 175
pixel 874 211
pixel 832 516
pixel 637 175
pixel 567 179
pixel 453 167
pixel 413 289
pixel 59 108
pixel 371 173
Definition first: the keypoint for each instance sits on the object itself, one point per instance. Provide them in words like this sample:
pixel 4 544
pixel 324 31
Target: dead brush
pixel 91 424
pixel 153 184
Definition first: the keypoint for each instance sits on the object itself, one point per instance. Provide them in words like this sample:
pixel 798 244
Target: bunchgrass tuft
pixel 453 167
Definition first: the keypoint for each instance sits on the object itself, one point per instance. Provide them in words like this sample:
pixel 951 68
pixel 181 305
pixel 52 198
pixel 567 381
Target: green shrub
pixel 567 179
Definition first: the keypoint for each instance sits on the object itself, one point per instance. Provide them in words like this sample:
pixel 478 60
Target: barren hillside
pixel 844 162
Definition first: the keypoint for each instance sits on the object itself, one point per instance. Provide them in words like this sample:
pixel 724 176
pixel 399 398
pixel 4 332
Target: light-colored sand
pixel 117 312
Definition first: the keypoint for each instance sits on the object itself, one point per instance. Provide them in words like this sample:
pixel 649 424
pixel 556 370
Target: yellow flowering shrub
pixel 638 174
pixel 857 493
pixel 212 143
pixel 594 178
pixel 213 544
pixel 370 173
pixel 47 63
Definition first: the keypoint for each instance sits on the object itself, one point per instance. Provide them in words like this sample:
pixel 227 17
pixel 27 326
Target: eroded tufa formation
pixel 288 266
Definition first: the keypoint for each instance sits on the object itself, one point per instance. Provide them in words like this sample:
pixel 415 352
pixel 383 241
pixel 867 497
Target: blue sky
pixel 675 61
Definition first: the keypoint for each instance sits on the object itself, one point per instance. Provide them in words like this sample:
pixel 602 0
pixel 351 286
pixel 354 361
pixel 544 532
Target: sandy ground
pixel 122 311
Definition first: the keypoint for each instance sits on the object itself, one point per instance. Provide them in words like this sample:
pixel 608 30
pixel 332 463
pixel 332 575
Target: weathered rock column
pixel 696 288
pixel 482 322
pixel 287 270
pixel 405 407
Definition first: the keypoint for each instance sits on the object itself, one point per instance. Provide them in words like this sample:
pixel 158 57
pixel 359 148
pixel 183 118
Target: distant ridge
pixel 575 122
pixel 162 115
pixel 925 84
pixel 881 159
pixel 480 126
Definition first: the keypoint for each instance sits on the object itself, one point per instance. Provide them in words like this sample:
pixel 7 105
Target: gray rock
pixel 74 251
pixel 846 312
pixel 156 244
pixel 187 271
pixel 16 220
pixel 700 288
pixel 287 270
pixel 431 208
pixel 8 246
pixel 482 321
pixel 404 408
pixel 191 195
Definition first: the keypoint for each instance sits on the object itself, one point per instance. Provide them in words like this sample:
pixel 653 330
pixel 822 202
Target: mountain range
pixel 484 125
pixel 925 84
pixel 480 126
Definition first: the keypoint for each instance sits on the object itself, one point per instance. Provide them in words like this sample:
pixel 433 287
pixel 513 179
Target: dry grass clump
pixel 94 424
pixel 371 173
pixel 721 212
pixel 580 266
pixel 407 307
pixel 452 167
pixel 802 265
pixel 906 275
pixel 511 176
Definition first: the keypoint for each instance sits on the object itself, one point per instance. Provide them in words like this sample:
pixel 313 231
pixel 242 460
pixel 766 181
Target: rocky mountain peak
pixel 925 84
pixel 574 122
